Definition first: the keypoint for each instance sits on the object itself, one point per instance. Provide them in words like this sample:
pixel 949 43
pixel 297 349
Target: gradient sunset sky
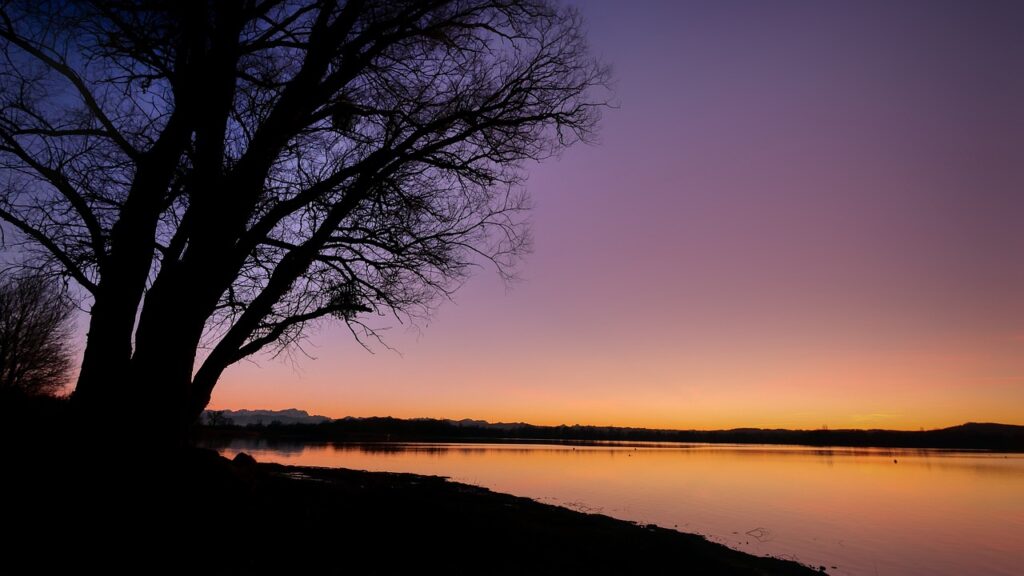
pixel 801 214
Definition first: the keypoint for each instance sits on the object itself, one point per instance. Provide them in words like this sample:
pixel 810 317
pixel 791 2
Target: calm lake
pixel 860 510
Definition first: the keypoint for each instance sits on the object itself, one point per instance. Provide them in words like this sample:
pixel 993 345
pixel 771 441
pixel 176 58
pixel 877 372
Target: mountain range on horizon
pixel 289 416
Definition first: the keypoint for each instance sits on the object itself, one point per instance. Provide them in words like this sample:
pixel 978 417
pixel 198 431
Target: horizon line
pixel 523 422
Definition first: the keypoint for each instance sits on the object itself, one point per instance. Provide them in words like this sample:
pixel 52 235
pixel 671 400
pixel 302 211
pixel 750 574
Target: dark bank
pixel 129 511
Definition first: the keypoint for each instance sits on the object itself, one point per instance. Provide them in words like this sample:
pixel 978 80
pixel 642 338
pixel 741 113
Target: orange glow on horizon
pixel 405 388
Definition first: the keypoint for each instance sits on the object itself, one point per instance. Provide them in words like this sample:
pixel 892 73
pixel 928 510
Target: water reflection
pixel 863 510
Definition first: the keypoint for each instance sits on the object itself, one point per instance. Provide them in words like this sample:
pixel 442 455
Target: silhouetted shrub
pixel 36 325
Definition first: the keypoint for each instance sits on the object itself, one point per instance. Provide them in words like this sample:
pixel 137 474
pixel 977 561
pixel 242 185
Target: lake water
pixel 864 511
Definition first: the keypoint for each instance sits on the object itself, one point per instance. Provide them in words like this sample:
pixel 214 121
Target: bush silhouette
pixel 36 325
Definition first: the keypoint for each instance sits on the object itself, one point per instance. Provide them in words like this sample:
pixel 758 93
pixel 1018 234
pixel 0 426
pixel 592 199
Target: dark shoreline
pixel 199 512
pixel 76 502
pixel 514 535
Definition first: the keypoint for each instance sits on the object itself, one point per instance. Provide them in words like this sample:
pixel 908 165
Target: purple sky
pixel 801 213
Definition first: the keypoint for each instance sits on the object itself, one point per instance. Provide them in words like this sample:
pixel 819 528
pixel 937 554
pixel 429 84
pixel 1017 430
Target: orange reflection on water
pixel 865 511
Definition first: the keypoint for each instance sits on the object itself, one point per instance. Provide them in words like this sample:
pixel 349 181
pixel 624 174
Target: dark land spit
pixel 413 522
pixel 205 514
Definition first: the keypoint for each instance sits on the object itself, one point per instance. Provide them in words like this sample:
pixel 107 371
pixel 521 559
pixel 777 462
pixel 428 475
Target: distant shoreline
pixel 970 436
pixel 218 439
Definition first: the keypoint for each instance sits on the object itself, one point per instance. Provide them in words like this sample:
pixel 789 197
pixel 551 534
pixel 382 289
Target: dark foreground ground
pixel 432 522
pixel 74 506
pixel 221 517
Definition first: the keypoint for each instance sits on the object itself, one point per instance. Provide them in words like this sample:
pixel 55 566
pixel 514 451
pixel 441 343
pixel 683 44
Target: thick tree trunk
pixel 102 394
pixel 162 397
pixel 103 376
pixel 112 318
pixel 171 326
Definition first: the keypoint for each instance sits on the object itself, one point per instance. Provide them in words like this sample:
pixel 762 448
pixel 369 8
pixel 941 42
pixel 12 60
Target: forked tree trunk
pixel 100 396
pixel 105 389
pixel 142 399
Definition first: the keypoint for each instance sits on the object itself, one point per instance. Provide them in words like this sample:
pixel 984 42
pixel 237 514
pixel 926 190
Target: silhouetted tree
pixel 224 173
pixel 36 325
pixel 218 418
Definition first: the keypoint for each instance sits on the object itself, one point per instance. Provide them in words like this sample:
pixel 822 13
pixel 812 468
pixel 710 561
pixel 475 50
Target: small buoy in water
pixel 894 461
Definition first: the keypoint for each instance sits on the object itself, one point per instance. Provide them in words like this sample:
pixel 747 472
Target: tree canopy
pixel 224 173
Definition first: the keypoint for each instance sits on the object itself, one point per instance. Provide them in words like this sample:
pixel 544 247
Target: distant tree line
pixel 967 436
